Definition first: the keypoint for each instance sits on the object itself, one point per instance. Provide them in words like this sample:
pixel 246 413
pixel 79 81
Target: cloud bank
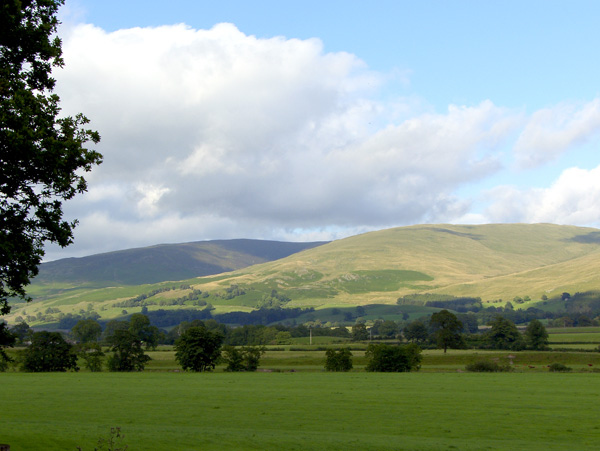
pixel 216 134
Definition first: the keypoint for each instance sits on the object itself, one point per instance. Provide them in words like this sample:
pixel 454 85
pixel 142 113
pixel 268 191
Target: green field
pixel 183 411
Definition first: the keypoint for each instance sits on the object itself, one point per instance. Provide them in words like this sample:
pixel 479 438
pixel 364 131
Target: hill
pixel 494 262
pixel 165 262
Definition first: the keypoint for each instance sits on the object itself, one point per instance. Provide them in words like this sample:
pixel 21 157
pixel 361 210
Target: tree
pixel 42 155
pixel 139 325
pixel 536 335
pixel 447 330
pixel 338 359
pixel 91 353
pixel 48 352
pixel 390 358
pixel 504 335
pixel 112 327
pixel 86 330
pixel 416 332
pixel 128 354
pixel 246 358
pixel 387 328
pixel 198 349
pixel 7 339
pixel 21 331
pixel 360 332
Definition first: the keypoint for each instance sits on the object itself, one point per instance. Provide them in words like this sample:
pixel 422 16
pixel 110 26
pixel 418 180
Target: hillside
pixel 165 262
pixel 494 262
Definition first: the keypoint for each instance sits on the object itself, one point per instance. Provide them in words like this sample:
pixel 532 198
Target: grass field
pixel 296 411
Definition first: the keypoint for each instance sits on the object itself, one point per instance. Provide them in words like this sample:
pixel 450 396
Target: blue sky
pixel 318 120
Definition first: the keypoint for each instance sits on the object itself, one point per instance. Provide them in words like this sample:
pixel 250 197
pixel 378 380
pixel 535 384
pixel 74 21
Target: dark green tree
pixel 91 353
pixel 48 351
pixel 536 336
pixel 7 339
pixel 360 332
pixel 447 330
pixel 387 329
pixel 246 358
pixel 112 327
pixel 416 332
pixel 390 358
pixel 338 359
pixel 86 330
pixel 21 331
pixel 139 325
pixel 42 154
pixel 504 335
pixel 198 349
pixel 127 352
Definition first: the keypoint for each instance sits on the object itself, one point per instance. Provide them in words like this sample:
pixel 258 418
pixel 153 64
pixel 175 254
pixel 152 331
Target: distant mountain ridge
pixel 166 262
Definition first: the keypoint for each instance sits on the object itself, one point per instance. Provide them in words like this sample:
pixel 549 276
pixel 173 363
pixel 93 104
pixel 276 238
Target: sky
pixel 316 120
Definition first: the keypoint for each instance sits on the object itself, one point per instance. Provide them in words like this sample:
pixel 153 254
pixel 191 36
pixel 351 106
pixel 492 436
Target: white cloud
pixel 574 198
pixel 216 134
pixel 551 131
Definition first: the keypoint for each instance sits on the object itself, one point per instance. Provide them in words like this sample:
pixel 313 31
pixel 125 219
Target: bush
pixel 389 358
pixel 485 366
pixel 338 359
pixel 246 358
pixel 48 352
pixel 559 368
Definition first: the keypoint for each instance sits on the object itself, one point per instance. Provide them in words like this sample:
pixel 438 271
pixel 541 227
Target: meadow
pixel 292 404
pixel 295 411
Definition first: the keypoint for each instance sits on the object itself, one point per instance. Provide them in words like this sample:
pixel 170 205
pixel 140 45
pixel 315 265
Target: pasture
pixel 310 410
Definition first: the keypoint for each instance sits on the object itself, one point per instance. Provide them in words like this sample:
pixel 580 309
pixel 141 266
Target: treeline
pixel 144 299
pixel 578 310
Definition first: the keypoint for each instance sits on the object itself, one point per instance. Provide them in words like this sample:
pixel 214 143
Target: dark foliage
pixel 48 352
pixel 261 316
pixel 485 366
pixel 41 152
pixel 338 359
pixel 128 353
pixel 242 359
pixel 198 349
pixel 536 335
pixel 505 335
pixel 447 330
pixel 390 358
pixel 559 368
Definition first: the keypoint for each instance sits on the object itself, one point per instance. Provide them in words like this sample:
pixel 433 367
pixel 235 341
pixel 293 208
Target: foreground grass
pixel 183 411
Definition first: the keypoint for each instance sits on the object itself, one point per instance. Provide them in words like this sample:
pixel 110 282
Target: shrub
pixel 246 358
pixel 485 366
pixel 338 360
pixel 389 358
pixel 559 368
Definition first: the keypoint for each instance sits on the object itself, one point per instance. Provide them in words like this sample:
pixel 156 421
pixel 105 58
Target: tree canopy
pixel 128 353
pixel 198 349
pixel 338 359
pixel 536 335
pixel 390 358
pixel 505 335
pixel 42 153
pixel 447 330
pixel 48 352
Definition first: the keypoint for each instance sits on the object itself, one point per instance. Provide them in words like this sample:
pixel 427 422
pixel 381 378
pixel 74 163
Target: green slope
pixel 491 261
pixel 496 261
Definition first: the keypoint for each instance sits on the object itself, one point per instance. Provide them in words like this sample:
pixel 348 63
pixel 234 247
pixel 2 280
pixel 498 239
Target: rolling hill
pixel 495 261
pixel 165 262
